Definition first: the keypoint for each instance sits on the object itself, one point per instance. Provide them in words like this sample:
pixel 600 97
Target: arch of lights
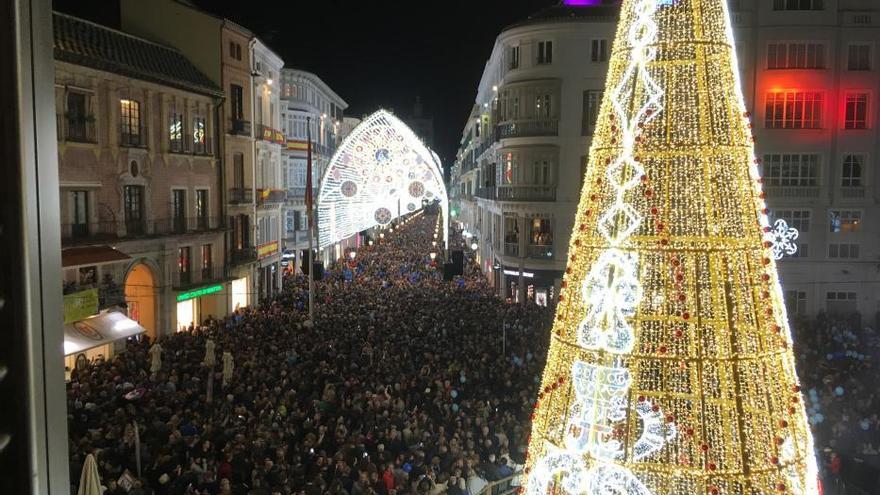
pixel 381 171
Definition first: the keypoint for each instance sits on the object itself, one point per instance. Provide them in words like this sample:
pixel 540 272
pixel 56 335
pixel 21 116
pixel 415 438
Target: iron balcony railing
pixel 511 249
pixel 540 252
pixel 198 276
pixel 73 233
pixel 242 256
pixel 240 127
pixel 526 193
pixel 109 293
pixel 490 192
pixel 527 128
pixel 796 192
pixel 76 128
pixel 134 137
pixel 852 192
pixel 271 196
pixel 239 195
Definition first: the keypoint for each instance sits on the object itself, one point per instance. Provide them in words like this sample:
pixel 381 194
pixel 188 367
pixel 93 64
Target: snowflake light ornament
pixel 782 237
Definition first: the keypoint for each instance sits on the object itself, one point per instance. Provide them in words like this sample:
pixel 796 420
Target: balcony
pixel 526 193
pixel 268 134
pixel 109 293
pixel 240 127
pixel 527 128
pixel 132 138
pixel 77 129
pixel 540 252
pixel 86 233
pixel 242 256
pixel 271 196
pixel 792 192
pixel 511 249
pixel 193 277
pixel 240 195
pixel 489 192
pixel 298 193
pixel 852 192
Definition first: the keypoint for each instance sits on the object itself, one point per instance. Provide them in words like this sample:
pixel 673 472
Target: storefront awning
pixel 99 330
pixel 91 255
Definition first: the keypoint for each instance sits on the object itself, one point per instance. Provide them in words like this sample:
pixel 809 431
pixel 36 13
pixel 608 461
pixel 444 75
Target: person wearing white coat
pixel 210 359
pixel 155 358
pixel 228 366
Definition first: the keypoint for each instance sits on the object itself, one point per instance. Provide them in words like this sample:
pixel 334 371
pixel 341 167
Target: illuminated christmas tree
pixel 670 369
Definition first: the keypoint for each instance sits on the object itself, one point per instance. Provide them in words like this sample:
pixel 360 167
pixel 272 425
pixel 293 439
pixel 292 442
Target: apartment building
pixel 141 203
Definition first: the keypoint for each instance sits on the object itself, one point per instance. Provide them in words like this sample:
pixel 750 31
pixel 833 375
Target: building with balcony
pixel 141 204
pixel 518 172
pixel 306 101
pixel 811 75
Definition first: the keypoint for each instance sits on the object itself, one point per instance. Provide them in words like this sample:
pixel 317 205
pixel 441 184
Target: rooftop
pixel 86 43
pixel 573 11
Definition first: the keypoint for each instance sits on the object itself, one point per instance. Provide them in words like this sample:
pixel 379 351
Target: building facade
pixel 305 101
pixel 519 169
pixel 227 53
pixel 141 203
pixel 810 78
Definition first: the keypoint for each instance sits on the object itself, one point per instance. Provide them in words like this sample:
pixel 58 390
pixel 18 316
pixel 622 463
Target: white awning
pixel 98 330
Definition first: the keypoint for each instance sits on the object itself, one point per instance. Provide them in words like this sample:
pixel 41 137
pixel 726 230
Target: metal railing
pixel 242 256
pixel 852 192
pixel 240 127
pixel 527 128
pixel 527 193
pixel 511 249
pixel 109 293
pixel 135 138
pixel 271 196
pixel 540 252
pixel 504 486
pixel 72 233
pixel 490 192
pixel 798 192
pixel 214 273
pixel 238 195
pixel 77 129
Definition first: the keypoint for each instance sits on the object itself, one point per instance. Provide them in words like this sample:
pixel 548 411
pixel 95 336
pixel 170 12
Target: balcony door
pixel 134 209
pixel 178 210
pixel 80 213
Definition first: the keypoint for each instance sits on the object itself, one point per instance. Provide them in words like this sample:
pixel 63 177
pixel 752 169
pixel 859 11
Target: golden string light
pixel 670 369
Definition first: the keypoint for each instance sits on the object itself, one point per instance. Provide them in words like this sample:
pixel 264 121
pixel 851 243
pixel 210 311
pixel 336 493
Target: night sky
pixel 376 53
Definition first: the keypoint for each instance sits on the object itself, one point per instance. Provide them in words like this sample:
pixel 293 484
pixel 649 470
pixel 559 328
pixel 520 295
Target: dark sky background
pixel 374 53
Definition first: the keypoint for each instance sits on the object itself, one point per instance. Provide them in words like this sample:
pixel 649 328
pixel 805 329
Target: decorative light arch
pixel 381 171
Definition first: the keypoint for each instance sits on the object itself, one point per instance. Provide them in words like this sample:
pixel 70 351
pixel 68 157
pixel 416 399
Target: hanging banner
pixel 80 305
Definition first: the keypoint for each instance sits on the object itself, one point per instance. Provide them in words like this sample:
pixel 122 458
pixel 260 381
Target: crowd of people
pixel 398 386
pixel 401 385
pixel 837 358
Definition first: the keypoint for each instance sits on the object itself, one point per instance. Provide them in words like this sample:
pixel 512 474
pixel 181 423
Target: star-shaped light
pixel 782 236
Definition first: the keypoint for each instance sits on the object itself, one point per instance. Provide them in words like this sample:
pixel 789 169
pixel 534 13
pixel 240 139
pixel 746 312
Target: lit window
pixel 843 221
pixel 130 116
pixel 199 138
pixel 175 132
pixel 856 111
pixel 794 110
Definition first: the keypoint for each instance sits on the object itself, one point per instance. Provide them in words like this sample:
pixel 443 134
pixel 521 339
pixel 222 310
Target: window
pixel 592 102
pixel 795 56
pixel 199 138
pixel 80 213
pixel 238 170
pixel 844 221
pixel 859 57
pixel 541 173
pixel 510 169
pixel 599 51
pixel 175 132
pixel 843 251
pixel 514 57
pixel 799 219
pixel 231 49
pixel 543 106
pixel 841 302
pixel 791 170
pixel 134 209
pixel 542 232
pixel 798 5
pixel 237 101
pixel 237 51
pixel 545 52
pixel 202 209
pixel 794 110
pixel 130 113
pixel 851 172
pixel 856 111
pixel 207 262
pixel 78 117
pixel 795 302
pixel 184 266
pixel 178 210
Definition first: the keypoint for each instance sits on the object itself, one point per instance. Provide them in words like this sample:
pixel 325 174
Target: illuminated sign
pixel 204 291
pixel 516 274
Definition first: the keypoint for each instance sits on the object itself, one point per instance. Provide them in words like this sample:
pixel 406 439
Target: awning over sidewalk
pixel 91 255
pixel 99 330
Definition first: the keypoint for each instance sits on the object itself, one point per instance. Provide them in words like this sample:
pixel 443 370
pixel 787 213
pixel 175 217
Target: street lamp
pixel 474 245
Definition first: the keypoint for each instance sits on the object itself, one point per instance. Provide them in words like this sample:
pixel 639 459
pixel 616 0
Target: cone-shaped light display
pixel 670 370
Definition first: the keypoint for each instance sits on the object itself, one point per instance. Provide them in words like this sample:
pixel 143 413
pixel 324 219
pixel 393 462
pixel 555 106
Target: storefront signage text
pixel 204 291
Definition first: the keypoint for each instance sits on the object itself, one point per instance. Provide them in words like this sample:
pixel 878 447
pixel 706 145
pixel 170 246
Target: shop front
pixel 269 273
pixel 197 304
pixel 239 295
pixel 537 286
pixel 97 336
